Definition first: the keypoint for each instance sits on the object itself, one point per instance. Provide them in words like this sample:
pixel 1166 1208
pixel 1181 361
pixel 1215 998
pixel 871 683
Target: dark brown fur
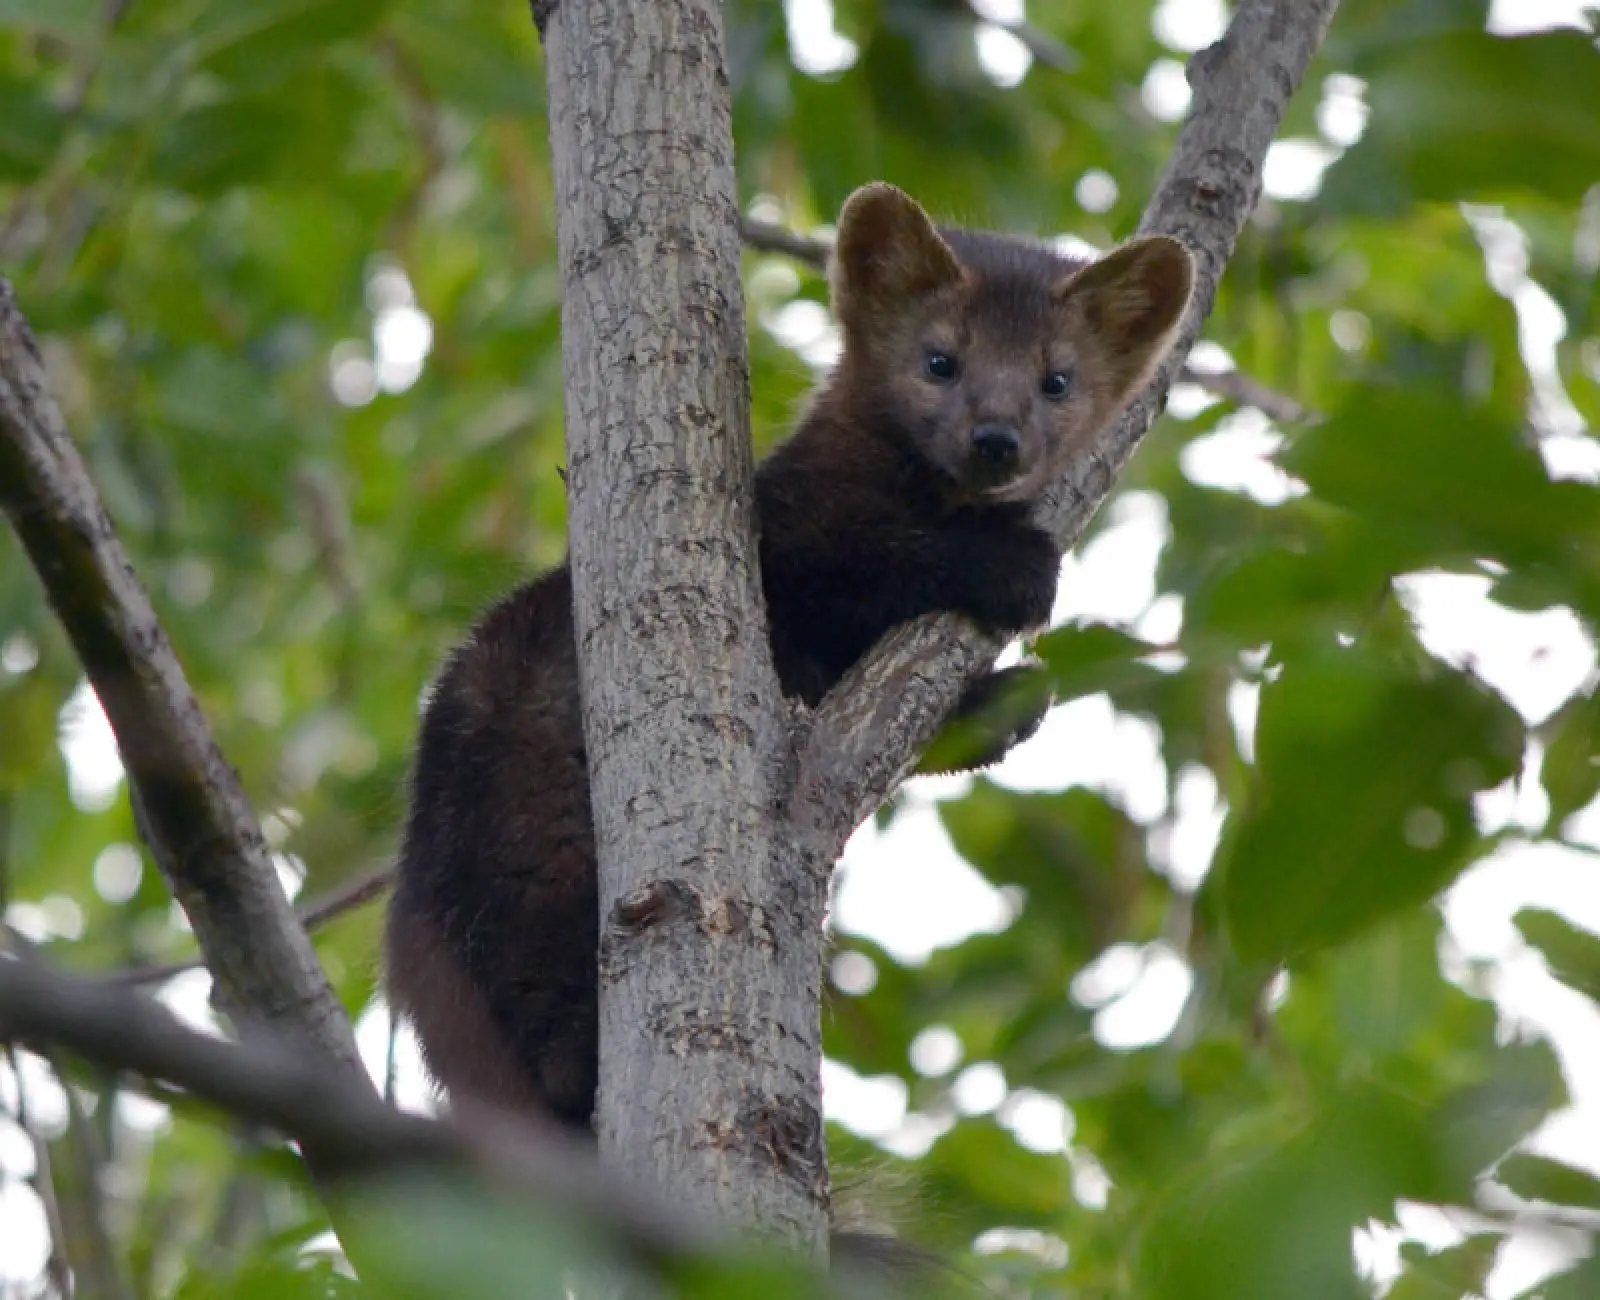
pixel 877 509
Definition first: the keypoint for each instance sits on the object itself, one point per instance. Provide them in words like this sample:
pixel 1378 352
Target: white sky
pixel 908 890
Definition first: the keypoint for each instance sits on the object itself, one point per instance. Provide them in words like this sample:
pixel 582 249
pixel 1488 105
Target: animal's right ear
pixel 1133 301
pixel 887 251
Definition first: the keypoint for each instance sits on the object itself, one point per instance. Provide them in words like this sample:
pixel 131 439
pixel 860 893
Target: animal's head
pixel 996 359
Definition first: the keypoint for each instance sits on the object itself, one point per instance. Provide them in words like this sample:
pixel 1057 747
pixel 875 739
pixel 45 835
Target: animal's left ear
pixel 887 254
pixel 1132 301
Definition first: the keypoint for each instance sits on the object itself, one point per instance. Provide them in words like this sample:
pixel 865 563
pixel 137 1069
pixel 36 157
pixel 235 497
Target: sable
pixel 974 368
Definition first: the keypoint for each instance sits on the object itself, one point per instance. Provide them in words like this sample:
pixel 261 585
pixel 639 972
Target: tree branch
pixel 313 915
pixel 57 1266
pixel 1047 49
pixel 270 1083
pixel 93 1254
pixel 203 830
pixel 769 237
pixel 866 734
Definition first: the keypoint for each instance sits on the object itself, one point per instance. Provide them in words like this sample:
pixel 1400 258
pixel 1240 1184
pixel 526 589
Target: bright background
pixel 324 457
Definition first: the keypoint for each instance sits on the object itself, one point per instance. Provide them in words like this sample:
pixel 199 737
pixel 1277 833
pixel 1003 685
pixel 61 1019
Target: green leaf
pixel 1273 591
pixel 1573 955
pixel 1003 707
pixel 210 393
pixel 1480 1123
pixel 1579 1283
pixel 294 135
pixel 1447 1274
pixel 31 128
pixel 1382 998
pixel 979 1159
pixel 472 66
pixel 1079 858
pixel 1087 660
pixel 1467 115
pixel 1454 482
pixel 1536 1178
pixel 1570 772
pixel 1271 1218
pixel 437 1240
pixel 1362 799
pixel 220 145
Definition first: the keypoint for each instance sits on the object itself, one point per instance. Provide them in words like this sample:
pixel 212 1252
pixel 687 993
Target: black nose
pixel 997 444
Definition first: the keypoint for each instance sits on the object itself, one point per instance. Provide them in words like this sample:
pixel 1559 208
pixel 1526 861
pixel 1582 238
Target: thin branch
pixel 865 735
pixel 241 1219
pixel 1230 385
pixel 768 237
pixel 1047 49
pixel 346 897
pixel 327 518
pixel 57 1268
pixel 1245 390
pixel 97 1266
pixel 313 915
pixel 272 1084
pixel 427 127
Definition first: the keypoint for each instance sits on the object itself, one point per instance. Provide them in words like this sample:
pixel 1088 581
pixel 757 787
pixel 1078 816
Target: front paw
pixel 1016 590
pixel 998 712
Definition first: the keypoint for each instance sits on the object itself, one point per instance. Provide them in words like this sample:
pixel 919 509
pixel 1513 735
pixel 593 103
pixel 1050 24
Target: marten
pixel 974 367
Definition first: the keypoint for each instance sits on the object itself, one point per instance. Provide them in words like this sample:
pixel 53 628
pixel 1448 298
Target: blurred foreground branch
pixel 865 736
pixel 276 1084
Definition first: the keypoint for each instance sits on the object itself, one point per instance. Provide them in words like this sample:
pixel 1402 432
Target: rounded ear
pixel 887 250
pixel 1132 301
pixel 1135 296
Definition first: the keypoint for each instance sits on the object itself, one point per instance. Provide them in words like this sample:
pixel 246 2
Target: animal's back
pixel 493 926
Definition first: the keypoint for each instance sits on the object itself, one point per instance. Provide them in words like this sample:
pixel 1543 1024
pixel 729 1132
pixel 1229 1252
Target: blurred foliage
pixel 237 226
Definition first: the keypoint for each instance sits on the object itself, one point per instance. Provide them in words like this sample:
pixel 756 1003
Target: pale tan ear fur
pixel 1132 301
pixel 887 253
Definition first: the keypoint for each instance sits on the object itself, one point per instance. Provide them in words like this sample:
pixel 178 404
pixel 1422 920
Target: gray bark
pixel 710 970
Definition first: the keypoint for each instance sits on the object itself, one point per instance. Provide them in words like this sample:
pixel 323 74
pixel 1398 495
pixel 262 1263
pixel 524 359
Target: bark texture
pixel 710 972
pixel 192 808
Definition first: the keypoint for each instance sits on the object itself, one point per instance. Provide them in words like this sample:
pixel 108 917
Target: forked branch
pixel 866 734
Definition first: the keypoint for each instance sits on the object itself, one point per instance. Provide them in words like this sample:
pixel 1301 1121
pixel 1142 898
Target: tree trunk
pixel 709 966
pixel 717 823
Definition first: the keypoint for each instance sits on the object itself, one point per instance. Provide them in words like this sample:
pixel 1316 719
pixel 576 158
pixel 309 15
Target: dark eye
pixel 940 366
pixel 1057 384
